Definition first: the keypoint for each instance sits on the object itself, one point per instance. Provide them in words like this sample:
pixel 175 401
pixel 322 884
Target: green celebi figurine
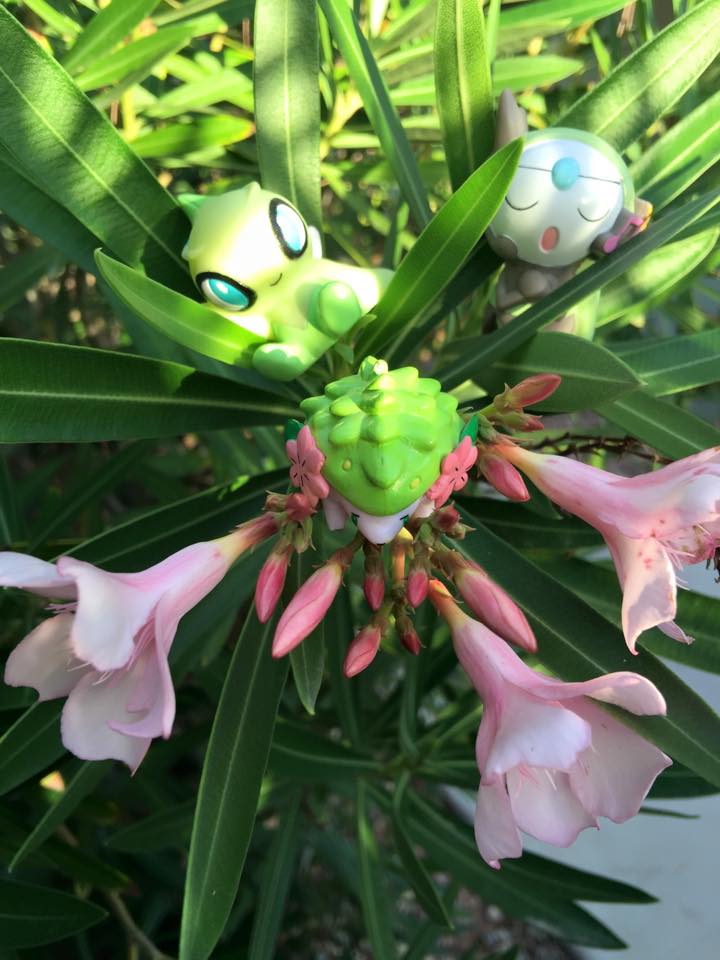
pixel 393 446
pixel 256 262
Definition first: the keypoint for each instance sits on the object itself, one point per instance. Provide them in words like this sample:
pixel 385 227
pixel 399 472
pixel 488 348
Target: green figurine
pixel 256 262
pixel 379 447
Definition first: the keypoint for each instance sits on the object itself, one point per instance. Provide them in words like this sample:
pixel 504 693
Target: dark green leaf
pixel 672 364
pixel 30 745
pixel 167 828
pixel 107 28
pixel 229 788
pixel 301 754
pixel 31 916
pixel 373 896
pixel 663 425
pixel 308 659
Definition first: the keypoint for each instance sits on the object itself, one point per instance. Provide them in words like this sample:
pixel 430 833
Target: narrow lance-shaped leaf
pixel 31 916
pixel 385 122
pixel 643 87
pixel 307 659
pixel 54 392
pixel 107 28
pixel 671 364
pixel 229 788
pixel 464 88
pixel 287 102
pixel 59 137
pixel 375 904
pixel 440 251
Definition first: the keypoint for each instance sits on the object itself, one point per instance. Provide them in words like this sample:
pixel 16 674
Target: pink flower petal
pixel 648 581
pixel 496 834
pixel 613 777
pixel 44 660
pixel 545 806
pixel 36 576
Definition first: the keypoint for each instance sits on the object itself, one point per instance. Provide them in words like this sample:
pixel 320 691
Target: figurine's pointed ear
pixel 511 121
pixel 190 202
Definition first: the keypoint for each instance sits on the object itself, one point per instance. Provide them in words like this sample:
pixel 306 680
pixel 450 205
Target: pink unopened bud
pixel 524 422
pixel 362 650
pixel 271 581
pixel 417 586
pixel 503 476
pixel 374 582
pixel 408 634
pixel 535 389
pixel 447 520
pixel 299 507
pixel 493 606
pixel 307 608
pixel 275 502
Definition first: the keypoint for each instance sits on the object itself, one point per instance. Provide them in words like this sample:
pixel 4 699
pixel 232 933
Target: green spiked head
pixel 384 434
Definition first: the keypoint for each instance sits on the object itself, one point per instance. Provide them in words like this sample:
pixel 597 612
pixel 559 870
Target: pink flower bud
pixel 362 650
pixel 524 422
pixel 299 507
pixel 408 635
pixel 249 534
pixel 494 607
pixel 374 582
pixel 533 390
pixel 503 476
pixel 307 608
pixel 417 586
pixel 271 581
pixel 447 521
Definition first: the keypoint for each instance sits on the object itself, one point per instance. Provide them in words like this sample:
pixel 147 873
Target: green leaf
pixel 135 60
pixel 30 745
pixel 9 519
pixel 339 623
pixel 59 138
pixel 590 373
pixel 643 87
pixel 691 730
pixel 520 23
pixel 385 122
pixel 287 102
pixel 529 530
pixel 440 252
pixel 415 870
pixel 672 364
pixel 677 783
pixel 53 392
pixel 167 828
pixel 192 324
pixel 656 277
pixel 31 916
pixel 373 895
pixel 299 754
pixel 230 787
pixel 664 426
pixel 89 774
pixel 230 85
pixel 275 882
pixel 180 139
pixel 453 850
pixel 106 30
pixel 680 156
pixel 464 87
pixel 481 351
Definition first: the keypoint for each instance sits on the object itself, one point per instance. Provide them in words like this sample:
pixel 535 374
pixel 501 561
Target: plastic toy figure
pixel 392 446
pixel 572 196
pixel 256 262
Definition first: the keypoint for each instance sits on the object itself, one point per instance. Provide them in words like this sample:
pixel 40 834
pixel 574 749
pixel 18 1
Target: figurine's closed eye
pixel 594 219
pixel 225 292
pixel 289 228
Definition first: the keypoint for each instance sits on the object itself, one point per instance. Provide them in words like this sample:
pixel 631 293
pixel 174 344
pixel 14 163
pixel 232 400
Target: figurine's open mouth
pixel 277 281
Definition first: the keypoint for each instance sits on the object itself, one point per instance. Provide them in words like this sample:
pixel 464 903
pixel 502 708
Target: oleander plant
pixel 338 555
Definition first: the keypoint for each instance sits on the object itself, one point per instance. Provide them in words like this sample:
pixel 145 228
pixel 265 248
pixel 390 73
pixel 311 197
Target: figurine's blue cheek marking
pixel 565 173
pixel 291 227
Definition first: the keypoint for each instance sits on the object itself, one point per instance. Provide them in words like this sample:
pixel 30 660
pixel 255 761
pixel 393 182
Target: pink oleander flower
pixel 306 463
pixel 551 760
pixel 362 650
pixel 453 472
pixel 492 605
pixel 653 524
pixel 107 651
pixel 271 580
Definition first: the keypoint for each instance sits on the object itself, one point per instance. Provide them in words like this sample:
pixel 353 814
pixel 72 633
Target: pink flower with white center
pixel 653 524
pixel 453 472
pixel 551 760
pixel 306 463
pixel 107 651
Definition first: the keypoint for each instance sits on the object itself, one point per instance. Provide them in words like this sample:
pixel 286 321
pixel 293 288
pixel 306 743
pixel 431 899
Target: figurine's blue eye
pixel 225 292
pixel 289 228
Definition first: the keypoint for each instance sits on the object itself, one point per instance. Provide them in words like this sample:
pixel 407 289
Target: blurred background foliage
pixel 353 841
